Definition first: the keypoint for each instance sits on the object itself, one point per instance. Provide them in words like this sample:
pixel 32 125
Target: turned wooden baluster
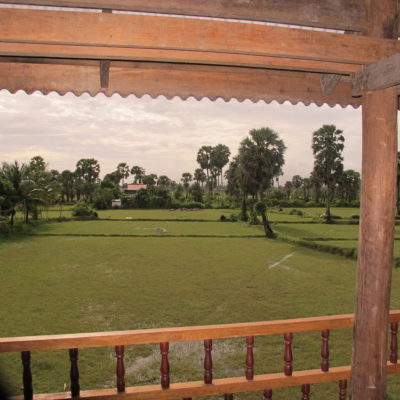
pixel 394 326
pixel 208 362
pixel 342 390
pixel 164 347
pixel 249 358
pixel 74 372
pixel 325 351
pixel 228 396
pixel 288 369
pixel 119 352
pixel 305 390
pixel 27 375
pixel 268 394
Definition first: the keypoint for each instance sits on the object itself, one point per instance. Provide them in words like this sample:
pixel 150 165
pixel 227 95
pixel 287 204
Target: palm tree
pixel 123 171
pixel 199 176
pixel 260 160
pixel 138 173
pixel 186 179
pixel 327 146
pixel 220 157
pixel 204 159
pixel 27 192
pixel 88 171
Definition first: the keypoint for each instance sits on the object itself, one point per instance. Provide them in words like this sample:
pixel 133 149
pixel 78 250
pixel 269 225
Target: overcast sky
pixel 161 135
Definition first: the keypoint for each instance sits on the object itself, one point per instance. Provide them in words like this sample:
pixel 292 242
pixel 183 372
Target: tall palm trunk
pixel 328 204
pixel 267 227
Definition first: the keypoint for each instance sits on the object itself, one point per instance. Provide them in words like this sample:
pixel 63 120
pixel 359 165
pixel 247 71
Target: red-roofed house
pixel 132 188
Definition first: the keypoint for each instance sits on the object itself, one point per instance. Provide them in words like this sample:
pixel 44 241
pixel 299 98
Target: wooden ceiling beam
pixel 338 14
pixel 376 76
pixel 173 80
pixel 185 34
pixel 172 56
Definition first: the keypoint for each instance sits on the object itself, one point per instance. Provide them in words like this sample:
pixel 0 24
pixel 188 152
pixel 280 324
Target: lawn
pixel 70 283
pixel 150 228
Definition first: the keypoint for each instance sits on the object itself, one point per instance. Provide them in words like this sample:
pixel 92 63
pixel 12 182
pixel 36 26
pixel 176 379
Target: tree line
pixel 251 177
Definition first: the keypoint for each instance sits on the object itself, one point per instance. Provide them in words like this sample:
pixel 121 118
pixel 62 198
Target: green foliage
pixel 82 209
pixel 178 193
pixel 138 173
pixel 260 160
pixel 154 197
pixel 260 208
pixel 102 198
pixel 142 198
pixel 108 183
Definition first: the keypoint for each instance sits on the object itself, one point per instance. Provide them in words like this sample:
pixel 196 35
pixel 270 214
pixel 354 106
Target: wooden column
pixel 375 253
pixel 378 194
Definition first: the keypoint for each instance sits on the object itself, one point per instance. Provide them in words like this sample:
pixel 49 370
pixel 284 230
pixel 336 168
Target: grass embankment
pixel 340 237
pixel 67 283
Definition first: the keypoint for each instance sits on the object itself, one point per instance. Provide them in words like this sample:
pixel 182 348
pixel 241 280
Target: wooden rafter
pixel 171 80
pixel 51 51
pixel 339 14
pixel 183 34
pixel 379 75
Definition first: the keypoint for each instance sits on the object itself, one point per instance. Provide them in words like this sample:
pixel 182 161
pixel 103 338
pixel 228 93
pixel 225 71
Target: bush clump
pixel 81 209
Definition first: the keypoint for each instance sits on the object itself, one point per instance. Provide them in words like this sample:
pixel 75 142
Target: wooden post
pixel 378 200
pixel 375 254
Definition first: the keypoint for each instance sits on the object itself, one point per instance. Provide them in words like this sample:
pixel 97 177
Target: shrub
pixel 102 199
pixel 81 209
pixel 142 199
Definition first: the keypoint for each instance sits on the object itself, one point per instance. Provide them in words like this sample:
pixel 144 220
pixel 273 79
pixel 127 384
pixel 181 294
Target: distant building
pixel 132 188
pixel 116 203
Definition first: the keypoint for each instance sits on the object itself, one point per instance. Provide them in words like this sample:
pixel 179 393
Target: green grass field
pixel 70 283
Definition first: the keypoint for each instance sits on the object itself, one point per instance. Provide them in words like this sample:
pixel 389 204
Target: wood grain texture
pixel 48 53
pixel 219 386
pixel 376 231
pixel 339 14
pixel 175 80
pixel 376 76
pixel 375 253
pixel 145 336
pixel 167 33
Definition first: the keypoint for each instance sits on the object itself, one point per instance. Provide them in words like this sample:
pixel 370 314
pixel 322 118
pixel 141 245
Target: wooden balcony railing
pixel 209 386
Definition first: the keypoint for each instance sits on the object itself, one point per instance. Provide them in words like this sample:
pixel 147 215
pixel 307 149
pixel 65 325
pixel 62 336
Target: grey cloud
pixel 161 135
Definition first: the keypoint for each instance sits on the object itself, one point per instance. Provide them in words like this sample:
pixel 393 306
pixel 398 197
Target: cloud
pixel 161 135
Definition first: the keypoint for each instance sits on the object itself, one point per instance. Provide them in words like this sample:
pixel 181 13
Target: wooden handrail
pixel 219 386
pixel 146 336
